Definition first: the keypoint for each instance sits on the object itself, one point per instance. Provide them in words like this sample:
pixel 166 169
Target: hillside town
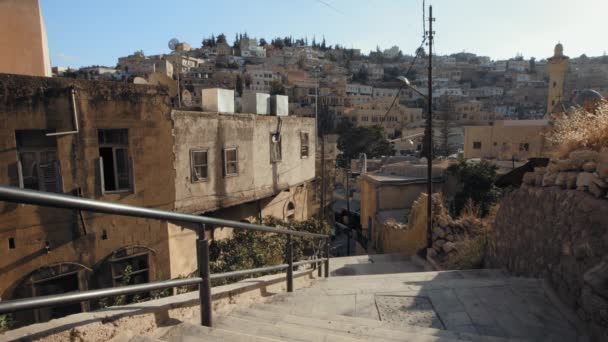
pixel 360 87
pixel 288 189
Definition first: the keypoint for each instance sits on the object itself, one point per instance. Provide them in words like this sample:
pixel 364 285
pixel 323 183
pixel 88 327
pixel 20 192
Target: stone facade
pixel 560 235
pixel 131 148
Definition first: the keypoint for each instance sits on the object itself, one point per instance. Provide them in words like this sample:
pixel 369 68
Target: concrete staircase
pixel 397 302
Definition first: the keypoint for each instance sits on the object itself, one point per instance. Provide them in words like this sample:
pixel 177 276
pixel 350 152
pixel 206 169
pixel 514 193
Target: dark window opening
pixel 477 145
pixel 104 235
pixel 11 243
pixel 59 285
pixel 114 159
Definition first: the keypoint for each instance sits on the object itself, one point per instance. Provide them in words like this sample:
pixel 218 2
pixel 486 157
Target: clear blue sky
pixel 87 32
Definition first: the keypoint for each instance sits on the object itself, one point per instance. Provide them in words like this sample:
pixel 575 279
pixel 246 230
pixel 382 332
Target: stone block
pixel 529 178
pixel 448 247
pixel 571 180
pixel 595 190
pixel 584 179
pixel 589 166
pixel 549 179
pixel 566 165
pixel 560 179
pixel 579 157
pixel 438 233
pixel 602 164
pixel 439 243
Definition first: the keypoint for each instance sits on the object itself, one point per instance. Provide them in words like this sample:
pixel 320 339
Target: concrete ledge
pixel 150 317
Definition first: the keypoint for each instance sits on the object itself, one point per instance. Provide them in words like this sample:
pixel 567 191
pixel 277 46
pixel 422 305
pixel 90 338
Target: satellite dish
pixel 173 43
pixel 186 98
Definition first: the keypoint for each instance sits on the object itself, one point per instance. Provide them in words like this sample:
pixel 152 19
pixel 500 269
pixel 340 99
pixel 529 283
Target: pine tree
pixel 323 46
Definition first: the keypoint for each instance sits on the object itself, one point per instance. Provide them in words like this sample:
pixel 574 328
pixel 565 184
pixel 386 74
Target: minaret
pixel 557 67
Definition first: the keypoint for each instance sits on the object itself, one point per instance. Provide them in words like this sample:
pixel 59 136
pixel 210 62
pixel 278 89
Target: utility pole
pixel 320 136
pixel 429 128
pixel 348 223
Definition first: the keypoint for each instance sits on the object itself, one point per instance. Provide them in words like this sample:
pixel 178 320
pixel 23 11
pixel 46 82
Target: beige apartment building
pixel 506 139
pixel 375 113
pixel 130 147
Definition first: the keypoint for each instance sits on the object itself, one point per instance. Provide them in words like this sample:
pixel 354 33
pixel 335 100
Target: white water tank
pixel 279 105
pixel 256 103
pixel 218 100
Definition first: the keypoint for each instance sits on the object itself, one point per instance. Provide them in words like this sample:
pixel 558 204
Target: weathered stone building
pixel 123 143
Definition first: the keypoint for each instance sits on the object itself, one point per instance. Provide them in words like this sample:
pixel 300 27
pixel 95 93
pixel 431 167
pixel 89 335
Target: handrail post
pixel 204 289
pixel 319 265
pixel 289 252
pixel 327 243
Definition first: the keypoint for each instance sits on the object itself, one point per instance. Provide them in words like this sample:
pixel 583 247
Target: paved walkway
pixel 484 302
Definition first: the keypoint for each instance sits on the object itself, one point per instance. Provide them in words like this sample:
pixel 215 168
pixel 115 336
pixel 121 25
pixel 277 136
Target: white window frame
pixel 193 166
pixel 225 161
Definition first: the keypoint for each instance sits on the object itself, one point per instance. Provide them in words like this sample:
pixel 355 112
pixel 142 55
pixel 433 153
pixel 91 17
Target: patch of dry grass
pixel 579 129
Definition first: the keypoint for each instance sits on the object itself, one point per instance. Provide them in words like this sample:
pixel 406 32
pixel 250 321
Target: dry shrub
pixel 470 210
pixel 578 129
pixel 470 254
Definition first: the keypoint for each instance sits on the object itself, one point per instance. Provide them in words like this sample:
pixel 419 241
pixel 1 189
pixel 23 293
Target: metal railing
pixel 17 195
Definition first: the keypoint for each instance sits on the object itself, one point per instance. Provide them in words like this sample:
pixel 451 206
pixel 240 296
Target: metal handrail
pixel 18 195
pixel 79 296
pixel 48 199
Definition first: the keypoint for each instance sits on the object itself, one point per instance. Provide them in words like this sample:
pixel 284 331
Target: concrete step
pixel 282 331
pixel 187 332
pixel 305 329
pixel 294 314
pixel 374 268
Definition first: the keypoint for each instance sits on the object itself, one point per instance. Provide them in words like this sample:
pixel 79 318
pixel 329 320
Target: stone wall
pixel 561 235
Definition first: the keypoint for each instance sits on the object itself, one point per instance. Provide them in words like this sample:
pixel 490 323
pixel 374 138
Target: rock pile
pixel 448 234
pixel 583 170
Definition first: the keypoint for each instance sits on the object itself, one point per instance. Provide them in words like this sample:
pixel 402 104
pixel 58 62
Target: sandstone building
pixel 123 143
pixel 23 39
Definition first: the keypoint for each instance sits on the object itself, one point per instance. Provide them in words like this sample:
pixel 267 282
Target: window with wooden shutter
pixel 38 165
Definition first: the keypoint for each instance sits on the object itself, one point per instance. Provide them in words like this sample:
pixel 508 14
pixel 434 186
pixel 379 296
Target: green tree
pixel 356 140
pixel 239 85
pixel 263 42
pixel 476 183
pixel 276 88
pixel 221 39
pixel 251 249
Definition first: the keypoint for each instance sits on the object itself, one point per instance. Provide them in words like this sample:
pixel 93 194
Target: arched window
pixel 52 279
pixel 290 211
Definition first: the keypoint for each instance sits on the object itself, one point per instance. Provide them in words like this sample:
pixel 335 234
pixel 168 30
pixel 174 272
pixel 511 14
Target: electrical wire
pixel 413 61
pixel 401 87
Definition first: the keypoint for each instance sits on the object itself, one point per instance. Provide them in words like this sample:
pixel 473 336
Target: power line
pixel 413 60
pixel 330 6
pixel 406 73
